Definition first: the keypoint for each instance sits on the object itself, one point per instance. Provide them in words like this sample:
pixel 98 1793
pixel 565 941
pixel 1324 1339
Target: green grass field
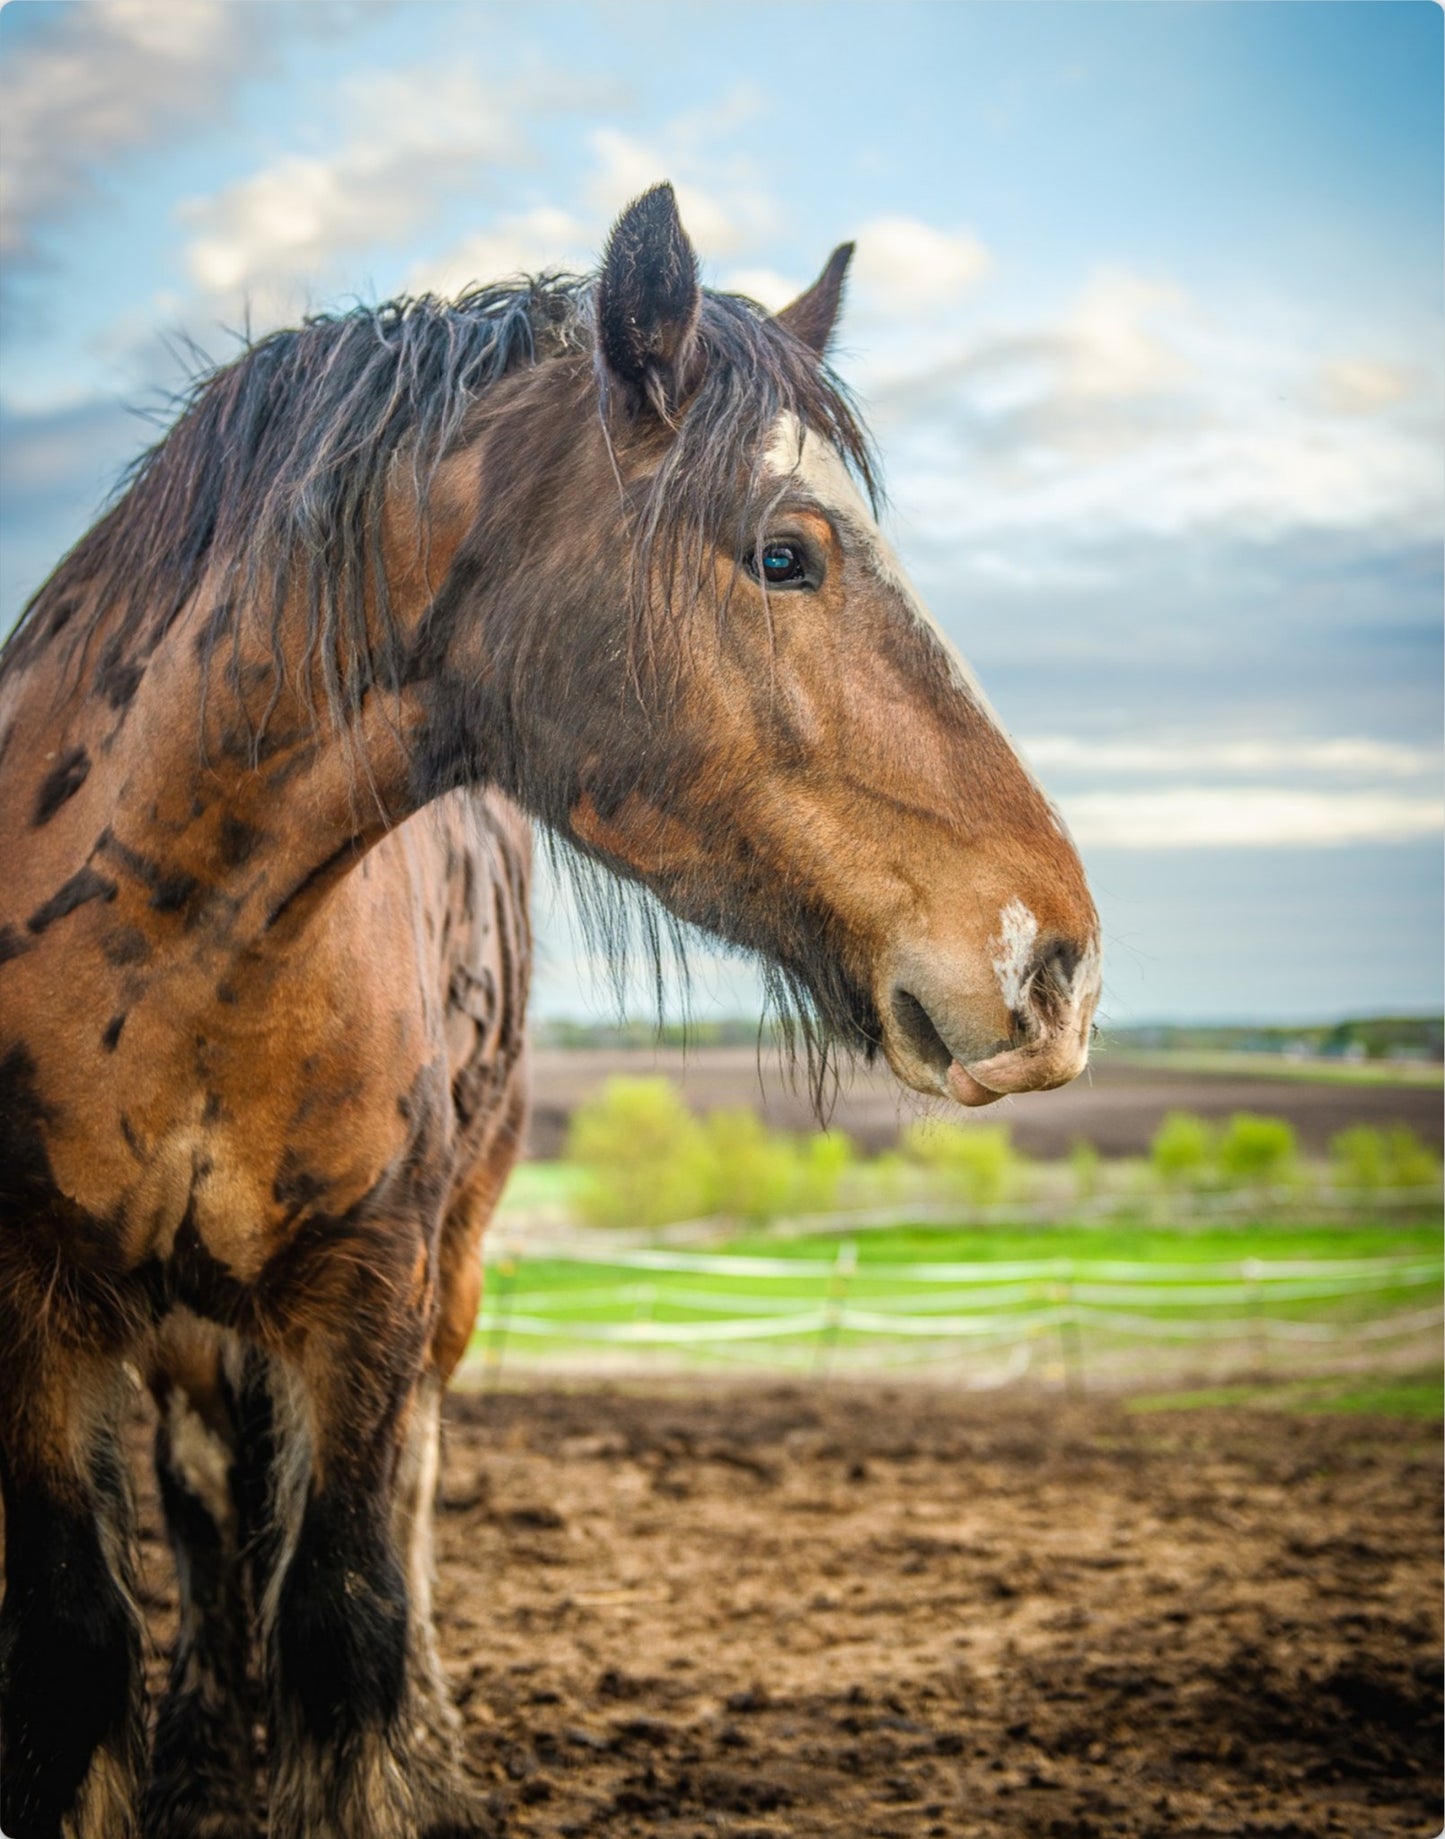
pixel 1238 1065
pixel 1121 1286
pixel 1419 1395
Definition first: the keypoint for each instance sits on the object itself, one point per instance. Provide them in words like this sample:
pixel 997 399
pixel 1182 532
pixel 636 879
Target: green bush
pixel 823 1160
pixel 1358 1159
pixel 759 1173
pixel 1366 1160
pixel 1256 1151
pixel 1412 1164
pixel 755 1171
pixel 646 1158
pixel 1182 1150
pixel 1085 1165
pixel 976 1162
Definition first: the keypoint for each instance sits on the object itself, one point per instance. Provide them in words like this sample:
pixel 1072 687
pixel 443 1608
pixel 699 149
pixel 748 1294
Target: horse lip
pixel 1030 1069
pixel 969 1091
pixel 923 1056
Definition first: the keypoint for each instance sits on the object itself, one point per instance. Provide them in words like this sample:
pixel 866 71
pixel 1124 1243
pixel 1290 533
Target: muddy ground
pixel 858 1612
pixel 1115 1106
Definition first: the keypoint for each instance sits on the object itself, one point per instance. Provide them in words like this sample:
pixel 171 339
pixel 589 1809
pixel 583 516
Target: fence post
pixel 506 1269
pixel 1251 1272
pixel 1071 1340
pixel 841 1276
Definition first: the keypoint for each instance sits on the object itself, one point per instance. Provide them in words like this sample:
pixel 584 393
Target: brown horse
pixel 591 553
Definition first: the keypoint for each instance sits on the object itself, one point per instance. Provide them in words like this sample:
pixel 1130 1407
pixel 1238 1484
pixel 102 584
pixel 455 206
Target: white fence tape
pixel 1030 1270
pixel 684 1333
pixel 985 1304
pixel 1003 1296
pixel 952 1328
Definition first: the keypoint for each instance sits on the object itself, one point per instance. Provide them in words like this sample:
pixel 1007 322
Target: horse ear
pixel 648 301
pixel 813 315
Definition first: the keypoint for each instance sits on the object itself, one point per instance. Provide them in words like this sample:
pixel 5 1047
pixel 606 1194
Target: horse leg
pixel 203 1771
pixel 351 1756
pixel 71 1691
pixel 442 1798
pixel 436 1766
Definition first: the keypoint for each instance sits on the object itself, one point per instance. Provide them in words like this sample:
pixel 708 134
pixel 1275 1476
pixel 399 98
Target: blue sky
pixel 1147 318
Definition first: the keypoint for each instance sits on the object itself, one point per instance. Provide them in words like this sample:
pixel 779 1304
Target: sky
pixel 1146 317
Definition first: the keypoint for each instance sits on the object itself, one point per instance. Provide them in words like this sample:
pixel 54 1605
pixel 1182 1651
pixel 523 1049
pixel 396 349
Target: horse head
pixel 676 633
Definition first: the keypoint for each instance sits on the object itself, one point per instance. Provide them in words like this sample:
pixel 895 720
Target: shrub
pixel 1256 1151
pixel 825 1158
pixel 646 1157
pixel 1366 1160
pixel 1084 1166
pixel 1358 1157
pixel 1181 1150
pixel 755 1171
pixel 972 1161
pixel 647 1160
pixel 1412 1164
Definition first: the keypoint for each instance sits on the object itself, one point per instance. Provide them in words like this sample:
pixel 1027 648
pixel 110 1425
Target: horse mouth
pixel 915 1025
pixel 926 1061
pixel 1036 1060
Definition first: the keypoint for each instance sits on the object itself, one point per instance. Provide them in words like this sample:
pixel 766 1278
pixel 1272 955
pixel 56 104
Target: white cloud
pixel 905 266
pixel 725 204
pixel 1136 413
pixel 1360 758
pixel 765 285
pixel 414 134
pixel 274 240
pixel 1252 817
pixel 1363 801
pixel 525 243
pixel 104 79
pixel 1108 344
pixel 1360 386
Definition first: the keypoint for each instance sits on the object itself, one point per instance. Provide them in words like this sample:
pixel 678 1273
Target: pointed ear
pixel 648 301
pixel 813 315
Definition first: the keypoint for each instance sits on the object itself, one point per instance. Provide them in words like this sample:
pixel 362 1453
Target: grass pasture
pixel 1410 1395
pixel 1425 1075
pixel 1115 1304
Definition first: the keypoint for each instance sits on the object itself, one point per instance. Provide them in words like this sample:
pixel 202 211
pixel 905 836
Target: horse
pixel 595 554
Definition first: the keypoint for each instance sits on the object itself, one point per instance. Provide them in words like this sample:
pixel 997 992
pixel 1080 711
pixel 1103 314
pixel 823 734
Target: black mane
pixel 275 476
pixel 276 469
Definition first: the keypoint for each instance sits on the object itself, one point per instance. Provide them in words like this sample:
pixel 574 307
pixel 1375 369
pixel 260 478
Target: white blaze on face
pixel 1018 929
pixel 799 453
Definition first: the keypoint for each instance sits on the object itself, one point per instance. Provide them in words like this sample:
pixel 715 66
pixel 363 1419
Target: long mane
pixel 276 470
pixel 273 481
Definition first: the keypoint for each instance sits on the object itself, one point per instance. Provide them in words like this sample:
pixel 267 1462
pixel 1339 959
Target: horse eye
pixel 778 564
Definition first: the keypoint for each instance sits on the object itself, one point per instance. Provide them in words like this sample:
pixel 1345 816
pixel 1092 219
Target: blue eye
pixel 778 564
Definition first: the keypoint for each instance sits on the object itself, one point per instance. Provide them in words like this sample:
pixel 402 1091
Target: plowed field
pixel 868 1611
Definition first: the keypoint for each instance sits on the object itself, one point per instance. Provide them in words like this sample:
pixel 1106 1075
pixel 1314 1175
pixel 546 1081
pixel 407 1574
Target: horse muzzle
pixel 977 1038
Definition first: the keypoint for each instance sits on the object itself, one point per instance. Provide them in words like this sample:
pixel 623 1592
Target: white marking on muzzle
pixel 1018 930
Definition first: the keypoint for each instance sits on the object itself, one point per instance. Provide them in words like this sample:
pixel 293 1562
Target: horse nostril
pixel 918 1030
pixel 1057 962
pixel 1049 988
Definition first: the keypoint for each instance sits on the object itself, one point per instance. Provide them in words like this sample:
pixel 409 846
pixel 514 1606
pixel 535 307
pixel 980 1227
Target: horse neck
pixel 236 795
pixel 206 750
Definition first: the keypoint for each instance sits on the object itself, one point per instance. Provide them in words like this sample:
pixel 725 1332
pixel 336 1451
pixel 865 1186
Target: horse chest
pixel 228 1138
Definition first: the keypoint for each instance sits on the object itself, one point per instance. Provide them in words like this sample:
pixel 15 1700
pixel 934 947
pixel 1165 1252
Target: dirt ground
pixel 1115 1107
pixel 865 1611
